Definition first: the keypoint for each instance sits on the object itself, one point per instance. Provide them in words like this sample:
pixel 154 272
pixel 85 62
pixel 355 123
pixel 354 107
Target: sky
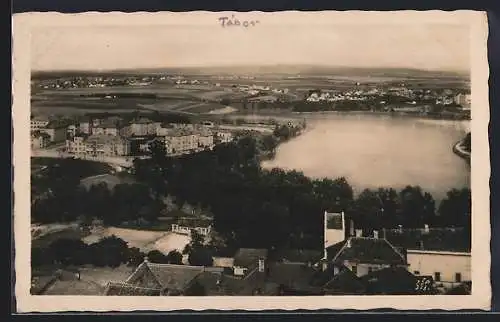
pixel 421 46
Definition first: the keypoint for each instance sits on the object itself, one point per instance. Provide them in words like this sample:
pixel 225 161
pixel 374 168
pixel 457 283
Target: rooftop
pixel 167 276
pixel 248 257
pixel 365 250
pixel 104 139
pixel 124 289
pixel 436 239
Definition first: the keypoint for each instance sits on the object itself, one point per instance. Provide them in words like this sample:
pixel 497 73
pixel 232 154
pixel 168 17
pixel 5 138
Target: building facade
pixel 56 131
pixel 98 145
pixel 37 123
pixel 181 142
pixel 447 268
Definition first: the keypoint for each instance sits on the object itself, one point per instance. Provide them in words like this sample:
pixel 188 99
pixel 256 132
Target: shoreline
pixel 458 150
pixel 292 114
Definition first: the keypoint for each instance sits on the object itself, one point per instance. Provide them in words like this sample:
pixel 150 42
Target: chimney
pixel 375 234
pixel 359 232
pixel 351 228
pixel 261 265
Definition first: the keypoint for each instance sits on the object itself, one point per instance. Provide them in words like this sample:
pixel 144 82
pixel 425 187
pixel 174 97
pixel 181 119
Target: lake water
pixel 374 151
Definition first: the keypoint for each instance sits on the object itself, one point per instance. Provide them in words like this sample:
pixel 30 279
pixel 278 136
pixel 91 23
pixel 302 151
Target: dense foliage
pixel 254 207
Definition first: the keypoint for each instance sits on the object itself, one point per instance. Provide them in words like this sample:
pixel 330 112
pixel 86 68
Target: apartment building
pixel 106 128
pixel 206 139
pixel 106 145
pixel 98 145
pixel 38 122
pixel 141 127
pixel 39 140
pixel 181 142
pixel 223 137
pixel 56 130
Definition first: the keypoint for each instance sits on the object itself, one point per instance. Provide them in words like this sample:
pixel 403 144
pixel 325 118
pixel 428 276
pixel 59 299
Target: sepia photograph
pixel 288 159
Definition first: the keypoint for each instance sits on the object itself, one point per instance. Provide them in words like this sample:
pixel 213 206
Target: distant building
pixel 464 100
pixel 38 122
pixel 186 230
pixel 39 140
pixel 98 145
pixel 106 128
pixel 206 139
pixel 179 141
pixel 103 145
pixel 140 127
pixel 76 145
pixel 56 130
pixel 223 137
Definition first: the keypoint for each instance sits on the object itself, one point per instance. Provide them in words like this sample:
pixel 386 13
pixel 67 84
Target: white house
pixel 447 268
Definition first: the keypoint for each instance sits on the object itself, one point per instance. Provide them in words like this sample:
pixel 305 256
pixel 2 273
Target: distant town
pixel 153 185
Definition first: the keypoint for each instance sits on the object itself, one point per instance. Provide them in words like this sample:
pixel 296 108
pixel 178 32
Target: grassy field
pixel 145 240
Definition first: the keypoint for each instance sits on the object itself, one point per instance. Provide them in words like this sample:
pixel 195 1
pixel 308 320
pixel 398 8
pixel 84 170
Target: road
pixel 113 161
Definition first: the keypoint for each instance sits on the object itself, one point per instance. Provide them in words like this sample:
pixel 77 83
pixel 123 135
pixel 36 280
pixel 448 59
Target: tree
pixel 135 256
pixel 109 251
pixel 174 257
pixel 155 256
pixel 199 254
pixel 68 251
pixel 455 209
pixel 417 207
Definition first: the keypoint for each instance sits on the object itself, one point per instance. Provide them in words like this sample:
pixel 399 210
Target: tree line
pixel 112 252
pixel 254 207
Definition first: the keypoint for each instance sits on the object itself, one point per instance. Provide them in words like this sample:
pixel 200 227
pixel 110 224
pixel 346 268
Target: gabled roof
pixel 124 289
pixel 167 276
pixel 292 275
pixel 345 282
pixel 365 250
pixel 248 257
pixel 390 280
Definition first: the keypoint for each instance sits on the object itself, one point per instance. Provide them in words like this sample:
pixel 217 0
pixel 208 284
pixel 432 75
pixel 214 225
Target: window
pixel 354 269
pixel 416 272
pixel 437 276
pixel 458 277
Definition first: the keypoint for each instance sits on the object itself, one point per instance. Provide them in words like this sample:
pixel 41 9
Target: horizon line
pixel 456 71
